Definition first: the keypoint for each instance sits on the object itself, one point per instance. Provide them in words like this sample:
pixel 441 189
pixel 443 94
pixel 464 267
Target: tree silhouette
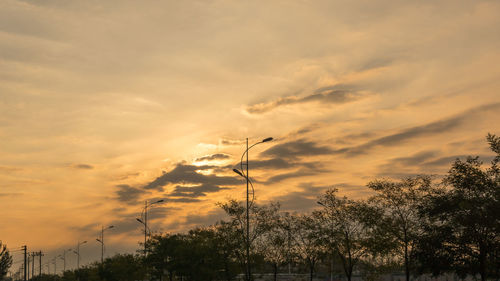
pixel 464 220
pixel 349 234
pixel 307 246
pixel 397 217
pixel 5 260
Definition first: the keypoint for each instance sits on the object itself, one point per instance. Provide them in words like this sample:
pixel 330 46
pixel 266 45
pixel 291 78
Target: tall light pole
pixel 63 257
pixel 101 240
pixel 144 220
pixel 77 252
pixel 246 176
pixel 33 254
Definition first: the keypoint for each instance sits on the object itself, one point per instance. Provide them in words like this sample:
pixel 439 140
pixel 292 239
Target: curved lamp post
pixel 63 257
pixel 77 252
pixel 144 220
pixel 101 240
pixel 245 175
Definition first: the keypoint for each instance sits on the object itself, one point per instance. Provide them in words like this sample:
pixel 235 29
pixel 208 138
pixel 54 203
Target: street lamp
pixel 77 252
pixel 144 220
pixel 63 257
pixel 242 174
pixel 101 240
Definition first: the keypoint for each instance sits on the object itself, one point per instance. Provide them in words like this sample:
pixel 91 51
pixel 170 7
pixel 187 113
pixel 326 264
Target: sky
pixel 106 104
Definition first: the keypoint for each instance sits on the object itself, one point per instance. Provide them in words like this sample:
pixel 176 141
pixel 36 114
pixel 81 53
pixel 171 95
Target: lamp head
pixel 238 172
pixel 267 139
pixel 139 220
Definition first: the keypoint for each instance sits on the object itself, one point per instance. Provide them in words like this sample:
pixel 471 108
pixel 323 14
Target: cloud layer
pixel 325 95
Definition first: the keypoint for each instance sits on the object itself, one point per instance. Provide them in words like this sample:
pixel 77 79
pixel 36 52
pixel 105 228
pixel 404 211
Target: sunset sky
pixel 104 104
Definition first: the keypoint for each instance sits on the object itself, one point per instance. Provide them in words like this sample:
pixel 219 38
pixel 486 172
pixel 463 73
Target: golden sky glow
pixel 104 104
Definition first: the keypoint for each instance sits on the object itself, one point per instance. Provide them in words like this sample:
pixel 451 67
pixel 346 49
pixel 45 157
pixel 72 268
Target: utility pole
pixel 25 249
pixel 28 266
pixel 33 264
pixel 40 254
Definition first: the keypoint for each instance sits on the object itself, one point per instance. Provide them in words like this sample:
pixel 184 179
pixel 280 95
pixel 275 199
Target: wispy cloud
pixel 337 94
pixel 11 194
pixel 231 142
pixel 429 129
pixel 412 160
pixel 194 191
pixel 297 148
pixel 291 175
pixel 82 166
pixel 129 194
pixel 217 156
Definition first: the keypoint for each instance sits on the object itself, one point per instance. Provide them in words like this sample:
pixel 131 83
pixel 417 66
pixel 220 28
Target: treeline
pixel 416 225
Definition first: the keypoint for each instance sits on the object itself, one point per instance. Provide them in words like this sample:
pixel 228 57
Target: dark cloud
pixel 129 194
pixel 291 175
pixel 8 169
pixel 127 226
pixel 448 160
pixel 126 176
pixel 191 184
pixel 217 156
pixel 433 128
pixel 338 94
pixel 376 63
pixel 231 142
pixel 295 149
pixel 353 138
pixel 160 212
pixel 11 194
pixel 86 230
pixel 413 160
pixel 82 166
pixel 424 161
pixel 186 174
pixel 182 200
pixel 195 191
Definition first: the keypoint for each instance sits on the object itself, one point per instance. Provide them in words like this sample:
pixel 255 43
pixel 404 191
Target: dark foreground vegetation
pixel 416 225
